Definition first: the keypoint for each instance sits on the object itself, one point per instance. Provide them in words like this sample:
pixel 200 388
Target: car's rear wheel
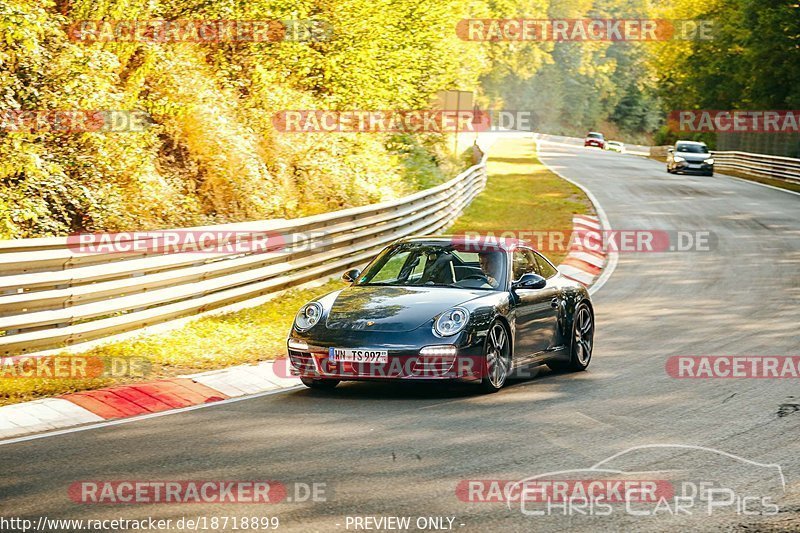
pixel 320 384
pixel 582 342
pixel 497 360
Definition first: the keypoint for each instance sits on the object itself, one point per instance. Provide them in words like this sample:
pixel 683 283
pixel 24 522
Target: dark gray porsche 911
pixel 445 308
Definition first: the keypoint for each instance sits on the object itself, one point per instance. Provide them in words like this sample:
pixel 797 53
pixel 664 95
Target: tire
pixel 497 358
pixel 580 352
pixel 669 170
pixel 710 174
pixel 320 384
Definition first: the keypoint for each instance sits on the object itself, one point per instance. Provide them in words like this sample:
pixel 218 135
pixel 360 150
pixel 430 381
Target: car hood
pixel 393 308
pixel 692 157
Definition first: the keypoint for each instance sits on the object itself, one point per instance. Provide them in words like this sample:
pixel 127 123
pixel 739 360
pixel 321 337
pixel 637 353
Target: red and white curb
pixel 586 257
pixel 137 399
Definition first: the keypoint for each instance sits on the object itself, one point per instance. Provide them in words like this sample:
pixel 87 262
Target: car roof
pixel 507 244
pixel 691 142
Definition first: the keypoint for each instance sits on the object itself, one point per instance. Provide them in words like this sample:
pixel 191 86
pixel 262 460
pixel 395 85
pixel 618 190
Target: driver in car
pixel 490 263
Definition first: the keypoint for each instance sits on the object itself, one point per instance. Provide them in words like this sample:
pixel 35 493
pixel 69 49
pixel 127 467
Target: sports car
pixel 445 308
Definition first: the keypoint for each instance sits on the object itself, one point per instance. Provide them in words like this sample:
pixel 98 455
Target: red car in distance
pixel 594 138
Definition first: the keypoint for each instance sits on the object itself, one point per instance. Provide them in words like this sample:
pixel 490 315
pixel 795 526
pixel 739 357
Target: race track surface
pixel 390 450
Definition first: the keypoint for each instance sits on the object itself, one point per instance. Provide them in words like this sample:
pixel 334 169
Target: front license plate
pixel 695 166
pixel 355 355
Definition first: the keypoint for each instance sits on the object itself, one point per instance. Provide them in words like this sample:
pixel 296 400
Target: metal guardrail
pixel 53 295
pixel 768 166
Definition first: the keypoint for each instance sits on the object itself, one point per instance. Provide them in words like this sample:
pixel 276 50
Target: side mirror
pixel 351 275
pixel 530 281
pixel 671 150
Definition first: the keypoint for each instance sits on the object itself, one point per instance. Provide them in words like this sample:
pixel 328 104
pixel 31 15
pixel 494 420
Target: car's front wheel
pixel 497 358
pixel 320 384
pixel 582 342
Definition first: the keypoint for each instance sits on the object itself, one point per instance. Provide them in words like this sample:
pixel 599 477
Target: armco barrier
pixel 768 166
pixel 53 296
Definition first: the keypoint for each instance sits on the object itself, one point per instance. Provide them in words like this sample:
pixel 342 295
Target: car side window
pixel 524 262
pixel 546 270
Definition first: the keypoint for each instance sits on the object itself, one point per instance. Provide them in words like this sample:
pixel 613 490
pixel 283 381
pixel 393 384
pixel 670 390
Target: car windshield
pixel 439 265
pixel 693 148
pixel 595 136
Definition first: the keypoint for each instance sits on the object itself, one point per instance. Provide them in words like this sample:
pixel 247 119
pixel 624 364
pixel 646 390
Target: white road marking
pixel 759 183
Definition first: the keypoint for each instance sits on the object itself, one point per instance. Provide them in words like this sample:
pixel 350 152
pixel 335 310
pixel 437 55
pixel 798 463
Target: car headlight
pixel 679 159
pixel 709 161
pixel 451 322
pixel 308 316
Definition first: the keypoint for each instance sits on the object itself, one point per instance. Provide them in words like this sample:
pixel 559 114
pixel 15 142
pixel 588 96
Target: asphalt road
pixel 402 450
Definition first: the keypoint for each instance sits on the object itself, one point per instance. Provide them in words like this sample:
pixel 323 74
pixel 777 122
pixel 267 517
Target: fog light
pixel 439 351
pixel 435 361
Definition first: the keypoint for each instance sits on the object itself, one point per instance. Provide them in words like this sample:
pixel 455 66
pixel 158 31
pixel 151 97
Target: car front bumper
pixel 309 358
pixel 689 167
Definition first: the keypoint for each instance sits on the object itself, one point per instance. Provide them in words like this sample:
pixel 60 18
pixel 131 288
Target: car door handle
pixel 554 303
